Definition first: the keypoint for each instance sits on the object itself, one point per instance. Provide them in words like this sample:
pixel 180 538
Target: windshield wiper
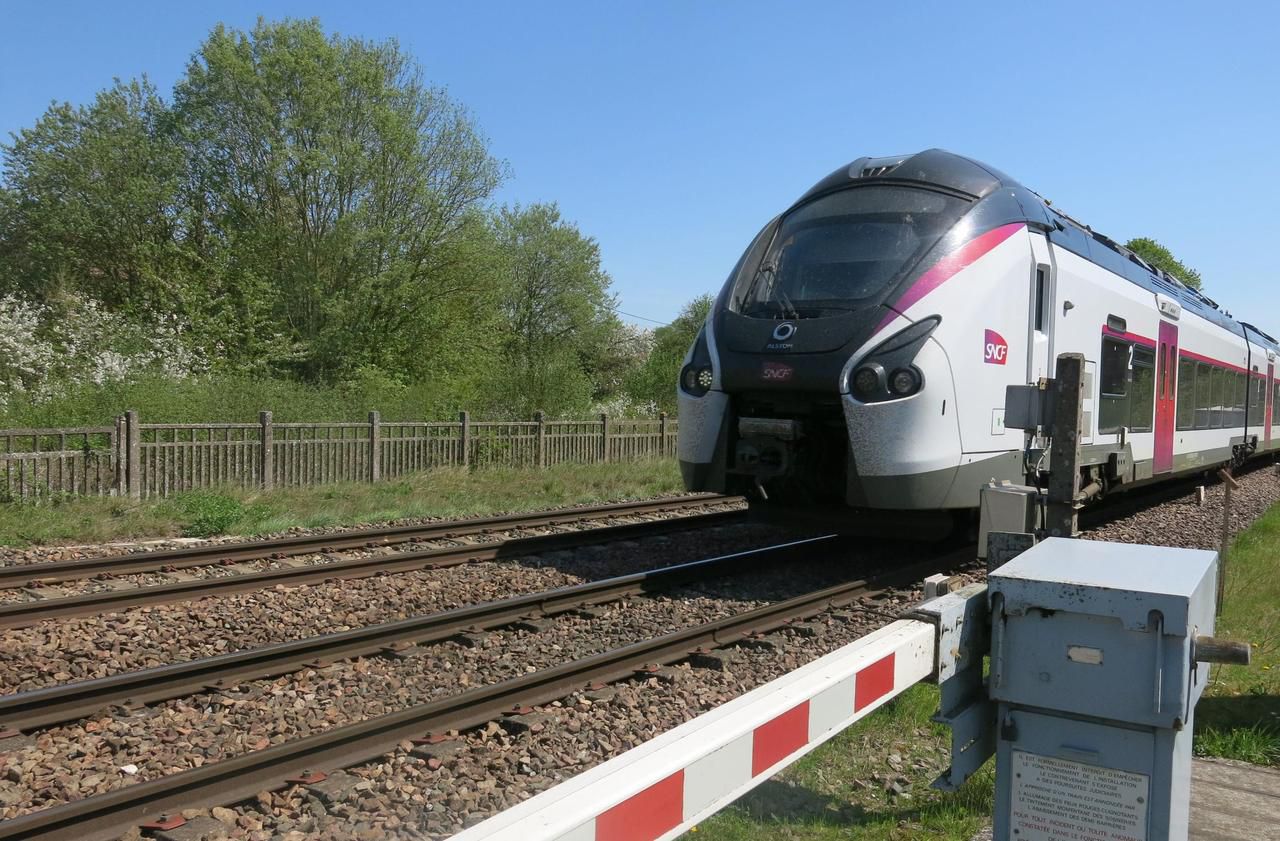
pixel 787 308
pixel 761 271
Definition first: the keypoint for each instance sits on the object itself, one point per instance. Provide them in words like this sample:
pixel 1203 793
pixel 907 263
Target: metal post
pixel 604 437
pixel 121 455
pixel 375 446
pixel 1064 453
pixel 662 434
pixel 1229 484
pixel 541 420
pixel 133 449
pixel 266 457
pixel 464 439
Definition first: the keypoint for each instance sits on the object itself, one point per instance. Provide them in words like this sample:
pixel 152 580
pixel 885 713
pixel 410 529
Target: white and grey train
pixel 859 352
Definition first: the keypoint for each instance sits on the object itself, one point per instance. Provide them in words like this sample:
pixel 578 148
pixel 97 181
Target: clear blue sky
pixel 671 131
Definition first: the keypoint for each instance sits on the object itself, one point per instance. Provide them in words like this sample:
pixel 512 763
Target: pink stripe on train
pixel 946 268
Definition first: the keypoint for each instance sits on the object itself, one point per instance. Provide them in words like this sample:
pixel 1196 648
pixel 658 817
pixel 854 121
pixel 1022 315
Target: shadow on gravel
pixel 822 565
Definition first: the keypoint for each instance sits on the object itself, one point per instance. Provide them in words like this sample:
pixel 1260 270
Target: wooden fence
pixel 147 460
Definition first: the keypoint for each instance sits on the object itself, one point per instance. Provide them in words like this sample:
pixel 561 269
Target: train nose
pixel 904 449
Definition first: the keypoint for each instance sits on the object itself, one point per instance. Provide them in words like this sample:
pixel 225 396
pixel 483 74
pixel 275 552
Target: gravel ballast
pixel 88 647
pixel 1183 522
pixel 434 792
pixel 85 757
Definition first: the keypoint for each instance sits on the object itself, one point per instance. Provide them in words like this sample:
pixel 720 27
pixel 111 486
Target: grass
pixel 839 791
pixel 439 493
pixel 843 789
pixel 1239 717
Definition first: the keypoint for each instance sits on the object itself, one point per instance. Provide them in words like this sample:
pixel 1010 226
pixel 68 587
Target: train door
pixel 1040 316
pixel 1166 396
pixel 1269 413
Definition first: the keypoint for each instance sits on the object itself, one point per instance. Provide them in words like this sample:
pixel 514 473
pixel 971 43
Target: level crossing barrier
pixel 1074 622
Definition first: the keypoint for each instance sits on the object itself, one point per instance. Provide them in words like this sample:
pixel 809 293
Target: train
pixel 858 354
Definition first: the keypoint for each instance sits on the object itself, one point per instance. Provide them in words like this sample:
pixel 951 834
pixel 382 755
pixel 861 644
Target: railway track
pixel 66 702
pixel 50 572
pixel 109 815
pixel 25 613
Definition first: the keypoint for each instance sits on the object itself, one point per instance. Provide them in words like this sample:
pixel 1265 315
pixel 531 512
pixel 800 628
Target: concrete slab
pixel 1233 801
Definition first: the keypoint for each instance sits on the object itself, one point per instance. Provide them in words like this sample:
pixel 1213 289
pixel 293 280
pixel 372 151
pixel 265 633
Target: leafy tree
pixel 325 174
pixel 89 204
pixel 1162 258
pixel 655 383
pixel 305 222
pixel 557 311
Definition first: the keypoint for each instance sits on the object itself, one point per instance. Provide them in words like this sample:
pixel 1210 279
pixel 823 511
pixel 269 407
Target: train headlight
pixel 867 381
pixel 904 382
pixel 696 380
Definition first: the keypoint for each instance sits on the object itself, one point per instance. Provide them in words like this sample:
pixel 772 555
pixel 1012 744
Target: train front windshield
pixel 839 252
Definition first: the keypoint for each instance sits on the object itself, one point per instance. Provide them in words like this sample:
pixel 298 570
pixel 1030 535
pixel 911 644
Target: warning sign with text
pixel 1060 800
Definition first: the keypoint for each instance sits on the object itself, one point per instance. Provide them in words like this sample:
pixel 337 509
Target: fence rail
pixel 150 460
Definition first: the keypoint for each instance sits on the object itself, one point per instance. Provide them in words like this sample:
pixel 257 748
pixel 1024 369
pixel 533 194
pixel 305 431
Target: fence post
pixel 662 434
pixel 541 420
pixel 604 437
pixel 266 440
pixel 464 439
pixel 118 456
pixel 133 449
pixel 375 446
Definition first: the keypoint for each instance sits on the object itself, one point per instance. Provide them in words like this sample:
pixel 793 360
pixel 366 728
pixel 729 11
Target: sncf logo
pixel 997 349
pixel 777 372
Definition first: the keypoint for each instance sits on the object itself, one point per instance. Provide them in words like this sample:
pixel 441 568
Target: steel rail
pixel 70 701
pixel 107 816
pixel 22 614
pixel 19 575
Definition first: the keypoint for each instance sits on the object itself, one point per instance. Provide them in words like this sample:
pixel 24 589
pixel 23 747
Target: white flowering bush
pixel 43 350
pixel 626 406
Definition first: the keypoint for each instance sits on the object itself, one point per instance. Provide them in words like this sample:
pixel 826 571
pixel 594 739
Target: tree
pixel 88 205
pixel 1162 258
pixel 557 311
pixel 325 174
pixel 655 383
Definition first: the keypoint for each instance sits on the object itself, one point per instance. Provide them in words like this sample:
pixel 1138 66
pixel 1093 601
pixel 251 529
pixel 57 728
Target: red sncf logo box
pixel 997 349
pixel 777 372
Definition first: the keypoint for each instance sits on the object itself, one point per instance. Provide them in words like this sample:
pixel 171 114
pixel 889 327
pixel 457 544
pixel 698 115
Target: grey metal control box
pixel 1027 407
pixel 1095 677
pixel 1006 507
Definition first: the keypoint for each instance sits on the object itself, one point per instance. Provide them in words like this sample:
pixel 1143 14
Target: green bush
pixel 208 514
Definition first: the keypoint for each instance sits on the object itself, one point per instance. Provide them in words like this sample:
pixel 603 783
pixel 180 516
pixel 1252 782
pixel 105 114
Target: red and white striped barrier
pixel 665 786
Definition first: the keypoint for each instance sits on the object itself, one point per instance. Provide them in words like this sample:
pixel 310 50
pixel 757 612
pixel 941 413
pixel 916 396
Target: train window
pixel 1204 397
pixel 1241 397
pixel 1228 399
pixel 1114 411
pixel 1217 400
pixel 1042 280
pixel 1257 400
pixel 1186 394
pixel 839 252
pixel 1142 394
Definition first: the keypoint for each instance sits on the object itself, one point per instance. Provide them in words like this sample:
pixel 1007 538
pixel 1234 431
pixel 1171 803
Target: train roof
pixel 975 180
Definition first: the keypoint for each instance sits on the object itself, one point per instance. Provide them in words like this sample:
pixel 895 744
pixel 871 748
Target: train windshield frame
pixel 839 252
